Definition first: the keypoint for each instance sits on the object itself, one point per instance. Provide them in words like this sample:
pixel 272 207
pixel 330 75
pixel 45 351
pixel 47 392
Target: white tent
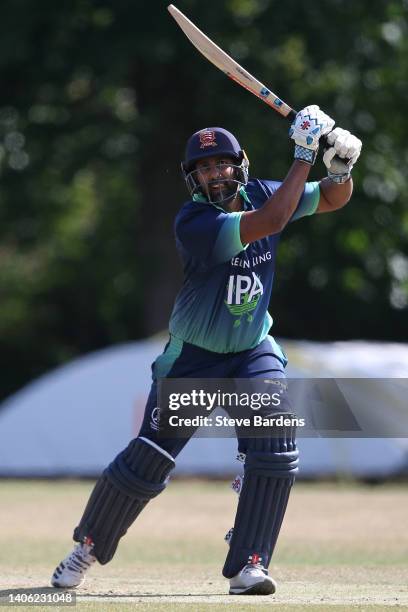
pixel 75 419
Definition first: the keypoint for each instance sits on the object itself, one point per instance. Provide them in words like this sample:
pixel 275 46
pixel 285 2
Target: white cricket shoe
pixel 252 580
pixel 70 573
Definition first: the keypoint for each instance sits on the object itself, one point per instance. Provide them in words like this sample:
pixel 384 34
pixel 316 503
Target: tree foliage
pixel 97 101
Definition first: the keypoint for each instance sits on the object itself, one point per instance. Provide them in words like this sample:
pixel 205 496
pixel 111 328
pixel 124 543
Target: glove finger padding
pixel 344 144
pixel 310 124
pixel 328 156
pixel 340 157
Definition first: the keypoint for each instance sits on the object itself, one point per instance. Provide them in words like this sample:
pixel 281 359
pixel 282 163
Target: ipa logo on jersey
pixel 243 293
pixel 207 139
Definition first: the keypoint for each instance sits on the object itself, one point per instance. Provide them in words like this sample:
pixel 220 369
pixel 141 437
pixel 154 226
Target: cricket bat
pixel 229 66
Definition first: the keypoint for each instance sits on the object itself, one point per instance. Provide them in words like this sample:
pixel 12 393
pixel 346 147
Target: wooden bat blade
pixel 229 66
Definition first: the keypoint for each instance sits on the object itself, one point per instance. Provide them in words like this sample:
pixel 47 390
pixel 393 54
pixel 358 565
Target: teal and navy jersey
pixel 223 303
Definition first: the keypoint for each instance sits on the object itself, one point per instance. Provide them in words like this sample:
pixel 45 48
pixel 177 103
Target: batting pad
pixel 138 474
pixel 270 468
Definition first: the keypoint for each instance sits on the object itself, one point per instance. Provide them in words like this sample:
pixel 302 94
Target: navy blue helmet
pixel 210 142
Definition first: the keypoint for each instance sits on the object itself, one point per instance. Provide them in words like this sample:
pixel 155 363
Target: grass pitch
pixel 342 547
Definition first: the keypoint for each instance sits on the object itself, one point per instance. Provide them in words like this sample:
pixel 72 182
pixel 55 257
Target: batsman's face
pixel 215 175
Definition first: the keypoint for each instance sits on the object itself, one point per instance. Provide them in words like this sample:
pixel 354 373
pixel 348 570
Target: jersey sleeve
pixel 209 233
pixel 309 201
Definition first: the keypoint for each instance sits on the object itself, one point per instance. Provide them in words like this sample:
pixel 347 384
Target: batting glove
pixel 347 149
pixel 310 124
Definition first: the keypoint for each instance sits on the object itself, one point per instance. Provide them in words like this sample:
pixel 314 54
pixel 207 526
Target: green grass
pixel 342 547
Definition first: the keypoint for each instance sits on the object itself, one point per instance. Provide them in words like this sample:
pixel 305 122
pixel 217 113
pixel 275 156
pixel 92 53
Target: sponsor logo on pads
pixel 236 484
pixel 254 559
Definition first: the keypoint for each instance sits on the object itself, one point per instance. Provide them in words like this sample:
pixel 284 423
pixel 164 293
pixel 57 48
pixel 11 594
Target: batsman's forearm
pixel 335 195
pixel 276 212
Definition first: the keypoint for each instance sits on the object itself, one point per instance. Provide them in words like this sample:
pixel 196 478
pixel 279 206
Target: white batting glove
pixel 310 124
pixel 347 149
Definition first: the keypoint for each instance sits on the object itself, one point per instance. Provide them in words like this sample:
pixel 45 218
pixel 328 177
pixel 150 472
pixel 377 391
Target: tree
pixel 97 102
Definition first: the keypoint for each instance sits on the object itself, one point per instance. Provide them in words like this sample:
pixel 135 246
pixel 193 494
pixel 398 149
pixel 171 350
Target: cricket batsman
pixel 227 235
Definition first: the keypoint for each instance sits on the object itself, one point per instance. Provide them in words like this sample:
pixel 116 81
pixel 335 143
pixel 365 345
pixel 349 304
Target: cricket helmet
pixel 213 142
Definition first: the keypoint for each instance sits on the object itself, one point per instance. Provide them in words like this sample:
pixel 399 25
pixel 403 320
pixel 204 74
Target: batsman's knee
pixel 275 456
pixel 141 470
pixel 138 474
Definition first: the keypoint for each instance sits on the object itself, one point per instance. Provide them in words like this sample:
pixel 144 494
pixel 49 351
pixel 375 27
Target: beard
pixel 220 191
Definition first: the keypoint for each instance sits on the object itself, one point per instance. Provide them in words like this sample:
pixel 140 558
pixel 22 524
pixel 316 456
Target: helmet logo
pixel 207 139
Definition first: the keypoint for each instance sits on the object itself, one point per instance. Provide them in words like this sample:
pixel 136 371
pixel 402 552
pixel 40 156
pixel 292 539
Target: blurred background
pixel 97 100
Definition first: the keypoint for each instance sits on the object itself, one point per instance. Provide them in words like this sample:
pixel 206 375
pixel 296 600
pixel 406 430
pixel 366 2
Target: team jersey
pixel 223 303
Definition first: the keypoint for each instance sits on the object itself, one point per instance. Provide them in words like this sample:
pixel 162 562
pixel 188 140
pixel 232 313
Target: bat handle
pixel 323 142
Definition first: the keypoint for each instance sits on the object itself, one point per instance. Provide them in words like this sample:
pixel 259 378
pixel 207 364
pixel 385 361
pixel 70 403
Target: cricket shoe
pixel 252 580
pixel 70 573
